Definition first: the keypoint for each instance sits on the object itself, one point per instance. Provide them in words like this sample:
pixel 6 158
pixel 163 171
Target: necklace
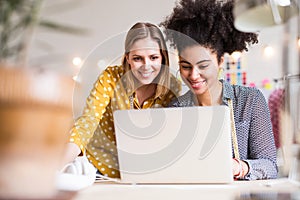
pixel 233 131
pixel 131 102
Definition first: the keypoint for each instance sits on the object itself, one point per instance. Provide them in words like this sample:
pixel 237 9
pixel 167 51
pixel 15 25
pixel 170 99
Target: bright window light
pixel 236 55
pixel 76 78
pixel 268 51
pixel 101 63
pixel 76 61
pixel 283 2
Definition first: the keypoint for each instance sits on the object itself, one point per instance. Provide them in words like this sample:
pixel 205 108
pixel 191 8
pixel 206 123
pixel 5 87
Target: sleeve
pixel 96 103
pixel 174 103
pixel 262 151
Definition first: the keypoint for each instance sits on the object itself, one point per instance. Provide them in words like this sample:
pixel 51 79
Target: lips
pixel 197 84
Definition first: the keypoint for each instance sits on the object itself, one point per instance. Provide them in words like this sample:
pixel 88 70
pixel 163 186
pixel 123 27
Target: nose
pixel 194 73
pixel 147 63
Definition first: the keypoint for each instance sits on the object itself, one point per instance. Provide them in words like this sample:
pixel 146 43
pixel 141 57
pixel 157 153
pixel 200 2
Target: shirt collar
pixel 227 92
pixel 133 95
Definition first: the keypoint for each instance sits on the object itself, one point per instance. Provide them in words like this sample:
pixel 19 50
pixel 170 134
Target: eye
pixel 136 59
pixel 154 57
pixel 202 66
pixel 186 67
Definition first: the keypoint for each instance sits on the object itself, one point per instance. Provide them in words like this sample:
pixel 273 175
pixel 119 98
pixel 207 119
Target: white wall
pixel 106 22
pixel 259 66
pixel 102 18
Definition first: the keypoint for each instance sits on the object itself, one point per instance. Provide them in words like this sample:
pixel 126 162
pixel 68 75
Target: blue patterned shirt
pixel 253 128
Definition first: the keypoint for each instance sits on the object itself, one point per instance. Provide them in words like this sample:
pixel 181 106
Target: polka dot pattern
pixel 253 128
pixel 94 131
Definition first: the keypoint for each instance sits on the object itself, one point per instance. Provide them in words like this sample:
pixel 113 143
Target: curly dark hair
pixel 208 23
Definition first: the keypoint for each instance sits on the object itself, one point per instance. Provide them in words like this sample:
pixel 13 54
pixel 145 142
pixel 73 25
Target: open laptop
pixel 174 145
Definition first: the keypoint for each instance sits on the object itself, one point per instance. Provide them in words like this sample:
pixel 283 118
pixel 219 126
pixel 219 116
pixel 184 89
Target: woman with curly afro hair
pixel 203 31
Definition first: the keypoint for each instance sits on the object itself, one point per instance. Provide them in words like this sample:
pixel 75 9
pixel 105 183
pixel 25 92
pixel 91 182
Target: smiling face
pixel 145 60
pixel 199 69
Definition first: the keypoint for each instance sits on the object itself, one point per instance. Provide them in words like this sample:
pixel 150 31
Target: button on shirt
pixel 253 128
pixel 94 131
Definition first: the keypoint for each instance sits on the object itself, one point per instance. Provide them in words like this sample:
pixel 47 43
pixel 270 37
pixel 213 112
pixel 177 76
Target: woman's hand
pixel 239 168
pixel 235 168
pixel 71 152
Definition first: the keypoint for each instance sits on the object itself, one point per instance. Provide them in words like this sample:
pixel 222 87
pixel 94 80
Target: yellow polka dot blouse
pixel 94 131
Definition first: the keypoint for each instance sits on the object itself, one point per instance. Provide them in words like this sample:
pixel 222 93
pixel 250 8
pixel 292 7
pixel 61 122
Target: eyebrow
pixel 155 54
pixel 184 61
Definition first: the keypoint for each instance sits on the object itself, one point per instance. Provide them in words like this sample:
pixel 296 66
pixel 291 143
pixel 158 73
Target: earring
pixel 221 74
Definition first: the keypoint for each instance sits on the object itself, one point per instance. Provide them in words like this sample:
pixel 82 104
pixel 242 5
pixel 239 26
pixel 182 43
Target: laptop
pixel 174 145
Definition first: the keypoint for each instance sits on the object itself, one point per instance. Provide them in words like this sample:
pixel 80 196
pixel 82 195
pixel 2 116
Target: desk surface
pixel 263 189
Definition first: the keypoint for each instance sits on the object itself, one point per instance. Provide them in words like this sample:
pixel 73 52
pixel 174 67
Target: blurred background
pixel 104 20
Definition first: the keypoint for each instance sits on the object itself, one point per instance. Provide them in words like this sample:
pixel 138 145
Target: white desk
pixel 104 191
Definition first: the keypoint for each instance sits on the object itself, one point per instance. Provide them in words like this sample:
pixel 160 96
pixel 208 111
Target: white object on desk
pixel 76 175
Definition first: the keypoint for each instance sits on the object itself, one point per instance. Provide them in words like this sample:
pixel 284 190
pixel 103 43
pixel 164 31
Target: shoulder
pixel 112 73
pixel 246 92
pixel 248 97
pixel 116 70
pixel 184 100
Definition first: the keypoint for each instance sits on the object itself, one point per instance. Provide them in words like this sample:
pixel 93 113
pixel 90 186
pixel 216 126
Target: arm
pixel 85 126
pixel 261 150
pixel 71 152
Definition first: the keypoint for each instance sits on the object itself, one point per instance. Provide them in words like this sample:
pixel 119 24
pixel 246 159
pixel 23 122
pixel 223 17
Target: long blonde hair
pixel 140 31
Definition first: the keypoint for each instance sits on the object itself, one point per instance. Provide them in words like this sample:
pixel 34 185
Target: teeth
pixel 146 75
pixel 197 84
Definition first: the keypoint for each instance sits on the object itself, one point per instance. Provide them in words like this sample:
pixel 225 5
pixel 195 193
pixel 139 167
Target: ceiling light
pixel 254 15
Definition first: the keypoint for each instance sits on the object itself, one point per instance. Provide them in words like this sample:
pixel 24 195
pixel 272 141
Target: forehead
pixel 145 44
pixel 197 53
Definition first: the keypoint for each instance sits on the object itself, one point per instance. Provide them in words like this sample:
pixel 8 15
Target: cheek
pixel 183 74
pixel 134 65
pixel 181 71
pixel 158 66
pixel 212 72
pixel 157 63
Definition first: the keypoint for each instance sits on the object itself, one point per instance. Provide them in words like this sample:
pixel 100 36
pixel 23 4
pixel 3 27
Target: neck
pixel 144 92
pixel 213 96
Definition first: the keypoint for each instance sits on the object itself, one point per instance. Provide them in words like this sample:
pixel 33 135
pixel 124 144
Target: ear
pixel 127 58
pixel 221 62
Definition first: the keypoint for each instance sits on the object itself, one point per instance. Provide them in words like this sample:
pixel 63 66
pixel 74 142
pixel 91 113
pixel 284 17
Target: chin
pixel 197 91
pixel 146 82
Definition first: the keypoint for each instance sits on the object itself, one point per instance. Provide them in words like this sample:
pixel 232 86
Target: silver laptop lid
pixel 174 145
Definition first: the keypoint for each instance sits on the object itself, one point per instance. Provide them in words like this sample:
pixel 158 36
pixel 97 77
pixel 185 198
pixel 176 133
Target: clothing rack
pixel 286 77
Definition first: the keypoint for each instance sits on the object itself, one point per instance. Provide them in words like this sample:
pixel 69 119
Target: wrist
pixel 237 168
pixel 242 169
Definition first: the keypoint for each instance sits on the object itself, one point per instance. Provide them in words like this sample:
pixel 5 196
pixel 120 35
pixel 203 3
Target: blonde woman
pixel 143 80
